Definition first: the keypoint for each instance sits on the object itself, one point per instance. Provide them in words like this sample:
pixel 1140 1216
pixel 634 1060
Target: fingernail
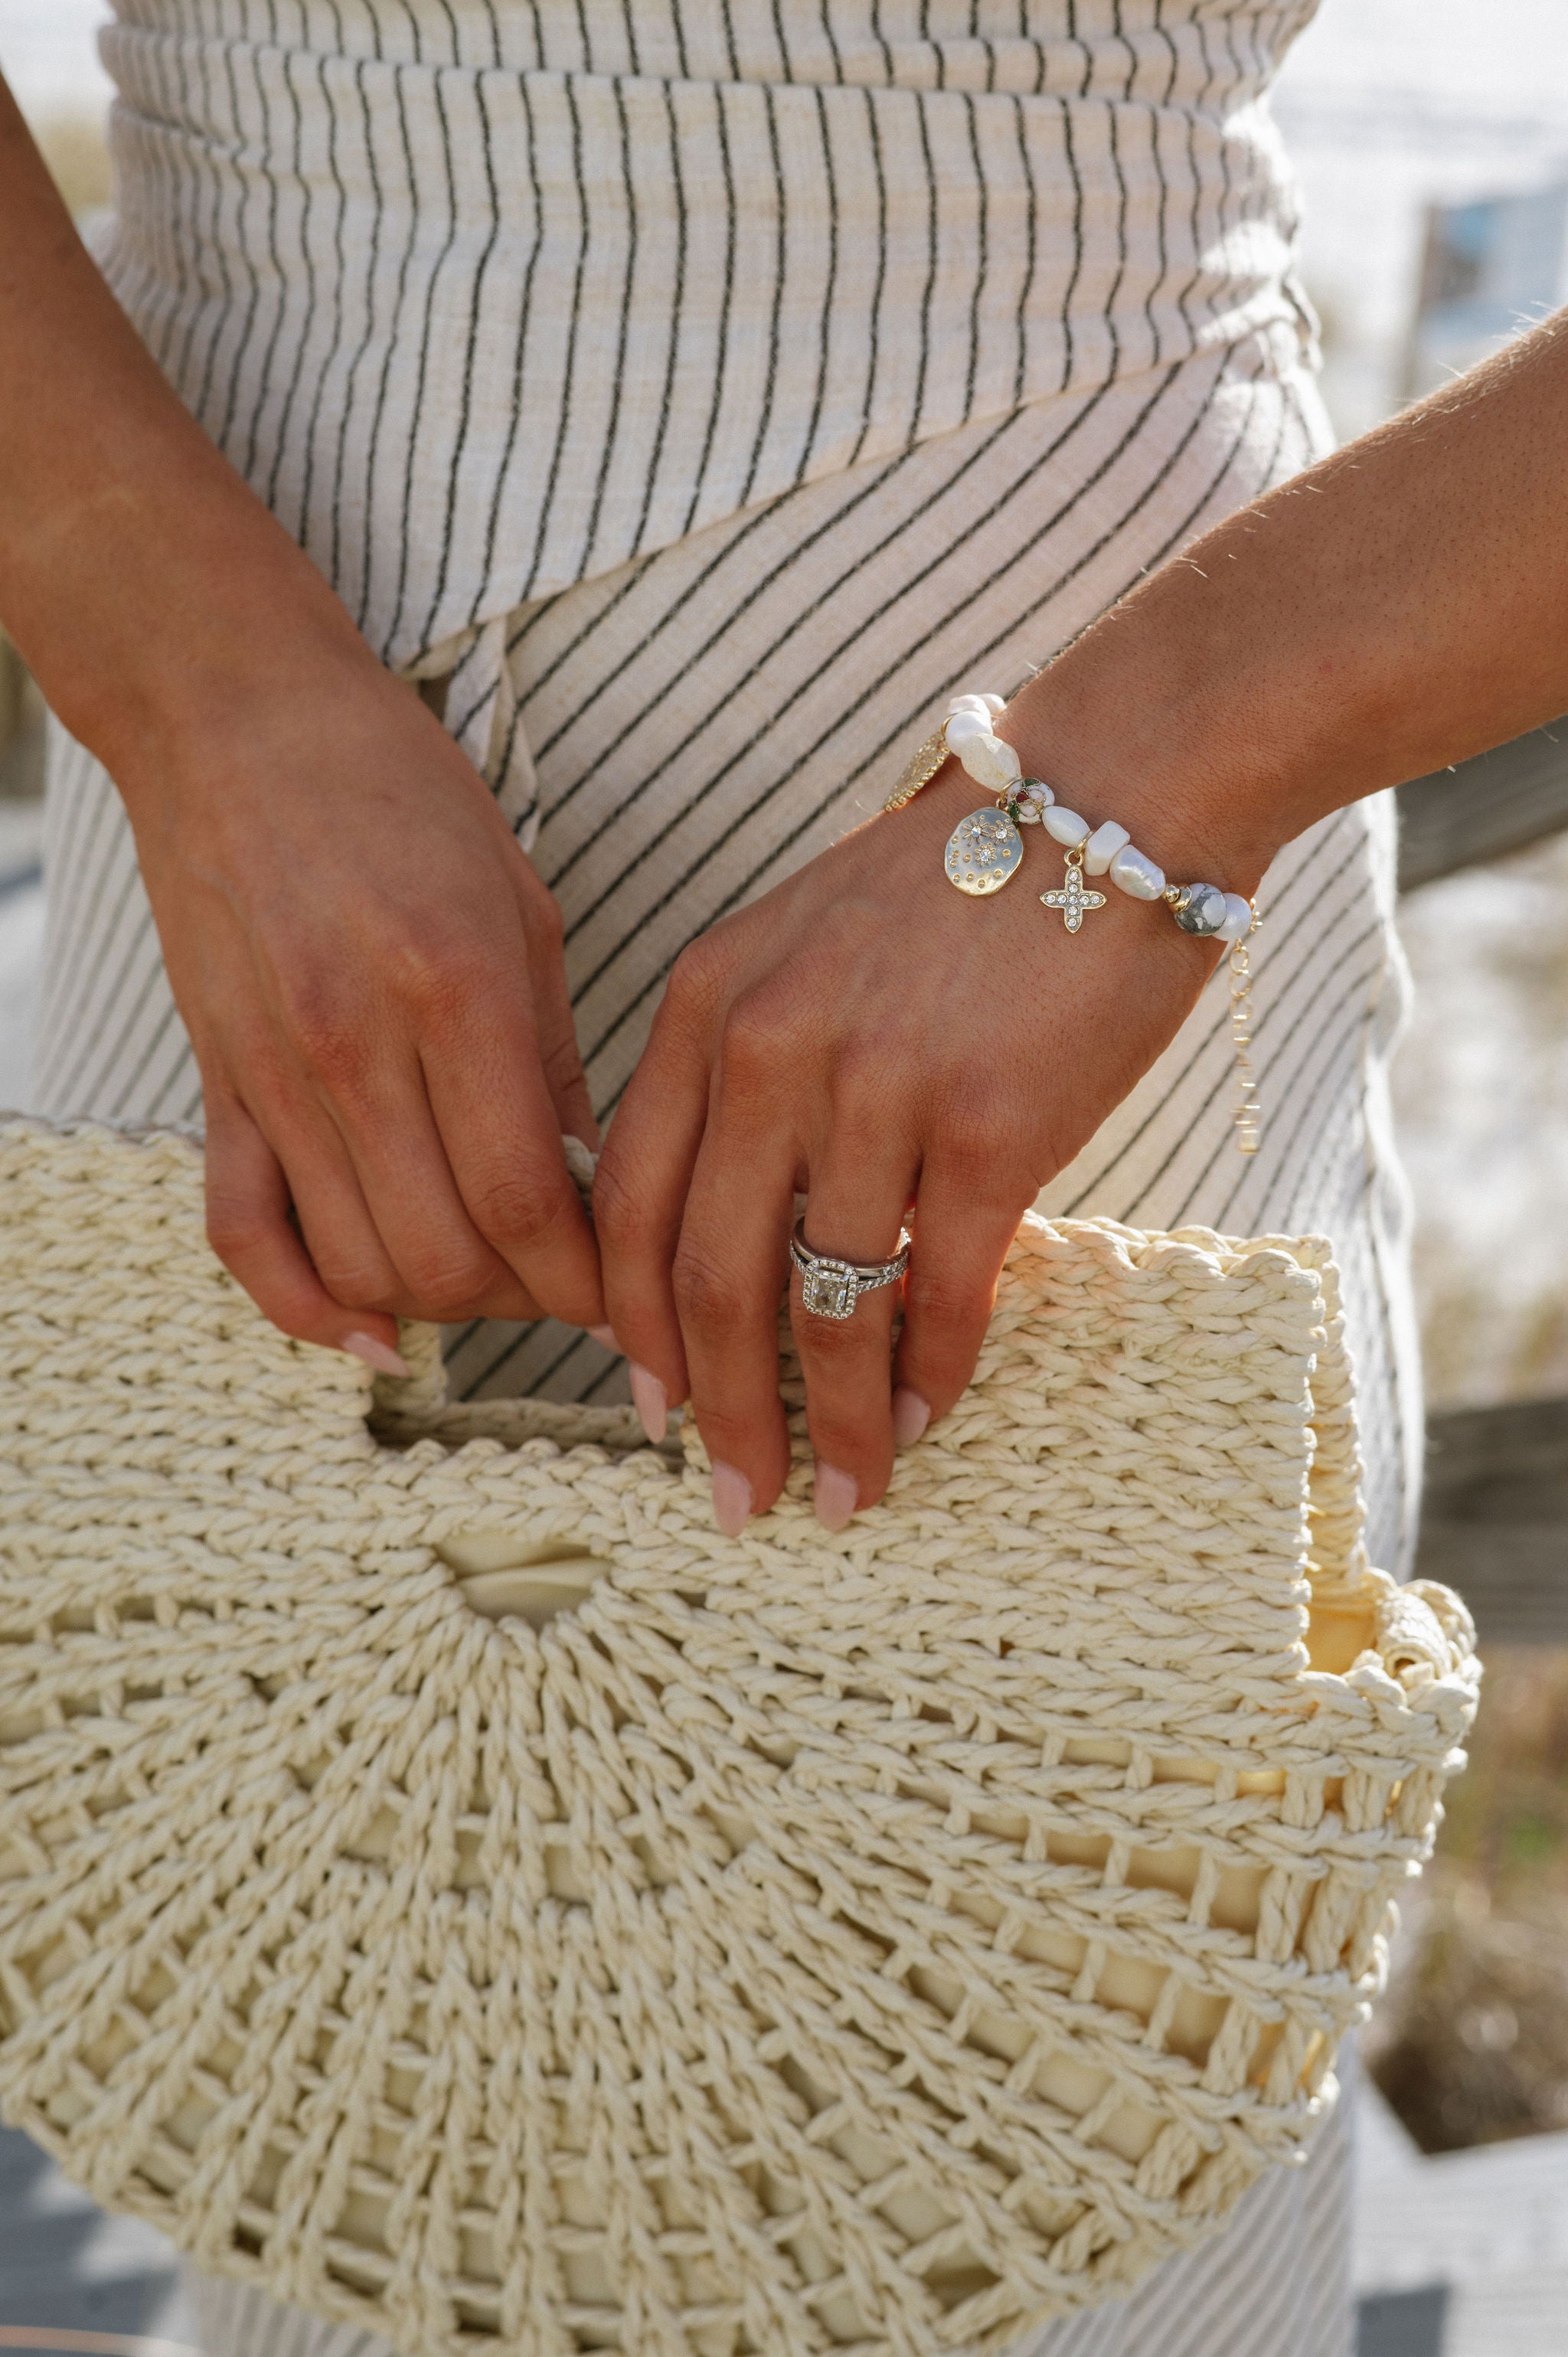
pixel 834 1496
pixel 910 1416
pixel 650 1400
pixel 732 1497
pixel 379 1355
pixel 605 1334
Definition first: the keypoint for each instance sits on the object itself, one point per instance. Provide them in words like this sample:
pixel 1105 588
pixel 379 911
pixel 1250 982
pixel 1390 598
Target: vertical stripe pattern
pixel 705 389
pixel 616 270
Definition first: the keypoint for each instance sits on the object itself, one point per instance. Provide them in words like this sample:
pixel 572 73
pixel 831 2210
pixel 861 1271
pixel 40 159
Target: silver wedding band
pixel 832 1287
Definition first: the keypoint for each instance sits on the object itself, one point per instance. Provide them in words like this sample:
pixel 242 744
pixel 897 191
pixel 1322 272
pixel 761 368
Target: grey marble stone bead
pixel 1200 910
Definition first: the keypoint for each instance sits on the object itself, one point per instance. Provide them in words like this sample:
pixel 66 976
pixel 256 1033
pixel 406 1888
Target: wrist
pixel 160 605
pixel 1156 720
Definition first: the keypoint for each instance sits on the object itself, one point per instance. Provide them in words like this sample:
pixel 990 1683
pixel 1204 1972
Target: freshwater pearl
pixel 1102 847
pixel 1134 873
pixel 1238 922
pixel 1067 826
pixel 994 702
pixel 966 725
pixel 975 704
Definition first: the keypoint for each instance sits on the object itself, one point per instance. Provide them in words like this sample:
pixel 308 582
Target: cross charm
pixel 1072 899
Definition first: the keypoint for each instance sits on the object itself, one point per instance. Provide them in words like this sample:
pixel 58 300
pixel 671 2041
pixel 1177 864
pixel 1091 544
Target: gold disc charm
pixel 983 850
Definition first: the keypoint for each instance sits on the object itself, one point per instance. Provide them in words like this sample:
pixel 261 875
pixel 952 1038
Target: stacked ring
pixel 832 1287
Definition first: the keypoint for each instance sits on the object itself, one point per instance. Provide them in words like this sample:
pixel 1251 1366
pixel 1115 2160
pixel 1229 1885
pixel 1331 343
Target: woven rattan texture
pixel 876 1941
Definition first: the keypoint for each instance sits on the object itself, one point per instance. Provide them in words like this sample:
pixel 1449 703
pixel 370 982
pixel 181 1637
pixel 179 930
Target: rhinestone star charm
pixel 1074 897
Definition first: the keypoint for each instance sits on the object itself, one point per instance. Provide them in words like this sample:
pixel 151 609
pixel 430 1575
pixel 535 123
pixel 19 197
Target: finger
pixel 855 1209
pixel 383 1125
pixel 642 1185
pixel 556 1030
pixel 729 1276
pixel 500 1131
pixel 249 1228
pixel 959 1242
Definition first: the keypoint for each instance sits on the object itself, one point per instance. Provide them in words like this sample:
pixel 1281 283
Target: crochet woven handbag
pixel 444 1880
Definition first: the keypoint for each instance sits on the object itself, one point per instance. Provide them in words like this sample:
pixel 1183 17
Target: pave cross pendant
pixel 1072 899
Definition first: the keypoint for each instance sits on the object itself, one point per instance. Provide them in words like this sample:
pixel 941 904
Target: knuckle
pixel 837 1346
pixel 696 977
pixel 759 1030
pixel 707 1297
pixel 330 1038
pixel 561 1065
pixel 625 1217
pixel 441 973
pixel 238 1231
pixel 450 1286
pixel 936 1301
pixel 359 1285
pixel 518 1208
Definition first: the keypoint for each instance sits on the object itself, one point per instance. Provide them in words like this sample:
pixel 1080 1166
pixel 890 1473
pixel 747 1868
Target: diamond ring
pixel 832 1287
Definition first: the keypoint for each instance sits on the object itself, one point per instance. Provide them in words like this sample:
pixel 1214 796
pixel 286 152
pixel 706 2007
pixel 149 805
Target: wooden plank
pixel 1495 1517
pixel 1478 811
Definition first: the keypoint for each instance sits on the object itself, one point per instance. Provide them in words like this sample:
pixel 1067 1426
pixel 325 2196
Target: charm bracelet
pixel 986 849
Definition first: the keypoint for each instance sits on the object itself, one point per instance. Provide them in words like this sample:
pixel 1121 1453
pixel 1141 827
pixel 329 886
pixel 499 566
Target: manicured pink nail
pixel 732 1498
pixel 605 1334
pixel 835 1496
pixel 650 1400
pixel 910 1416
pixel 379 1355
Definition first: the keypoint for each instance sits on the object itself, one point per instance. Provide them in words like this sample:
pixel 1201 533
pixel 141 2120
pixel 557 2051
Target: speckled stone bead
pixel 1200 910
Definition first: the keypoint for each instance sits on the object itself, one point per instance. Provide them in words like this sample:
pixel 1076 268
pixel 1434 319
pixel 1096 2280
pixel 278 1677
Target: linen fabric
pixel 691 621
pixel 489 296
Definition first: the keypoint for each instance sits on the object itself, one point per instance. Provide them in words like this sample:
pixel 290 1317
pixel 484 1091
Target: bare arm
pixel 1399 606
pixel 368 968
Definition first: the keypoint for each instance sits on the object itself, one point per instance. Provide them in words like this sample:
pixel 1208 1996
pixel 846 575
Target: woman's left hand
pixel 899 1053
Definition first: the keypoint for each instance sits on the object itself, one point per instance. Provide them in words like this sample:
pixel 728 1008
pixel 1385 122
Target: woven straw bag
pixel 444 1880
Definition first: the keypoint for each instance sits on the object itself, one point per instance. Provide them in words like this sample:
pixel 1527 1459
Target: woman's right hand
pixel 369 970
pixel 368 967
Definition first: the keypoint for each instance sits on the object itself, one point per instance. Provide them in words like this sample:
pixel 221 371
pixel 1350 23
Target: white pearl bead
pixel 1102 847
pixel 990 761
pixel 1066 825
pixel 1238 919
pixel 994 702
pixel 975 704
pixel 1134 873
pixel 965 726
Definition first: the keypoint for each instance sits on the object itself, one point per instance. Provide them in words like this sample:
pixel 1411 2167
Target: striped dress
pixel 695 392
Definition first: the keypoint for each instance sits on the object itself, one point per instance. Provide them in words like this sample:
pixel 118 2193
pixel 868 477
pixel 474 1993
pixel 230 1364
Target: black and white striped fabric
pixel 488 296
pixel 702 472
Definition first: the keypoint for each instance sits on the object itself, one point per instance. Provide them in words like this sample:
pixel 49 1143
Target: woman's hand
pixel 368 967
pixel 896 1051
pixel 370 973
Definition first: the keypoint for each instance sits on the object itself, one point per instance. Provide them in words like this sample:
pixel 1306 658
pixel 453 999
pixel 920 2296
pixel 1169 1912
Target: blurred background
pixel 1430 138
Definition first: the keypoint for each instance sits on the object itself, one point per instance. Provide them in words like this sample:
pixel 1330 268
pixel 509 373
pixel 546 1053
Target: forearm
pixel 1402 605
pixel 139 574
